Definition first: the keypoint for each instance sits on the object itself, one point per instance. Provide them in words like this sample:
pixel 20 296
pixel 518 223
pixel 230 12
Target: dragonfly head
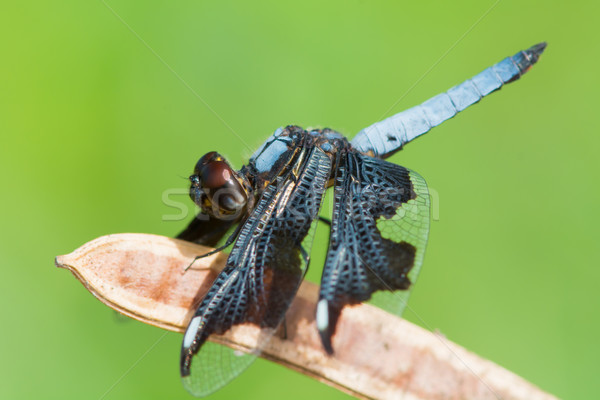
pixel 217 189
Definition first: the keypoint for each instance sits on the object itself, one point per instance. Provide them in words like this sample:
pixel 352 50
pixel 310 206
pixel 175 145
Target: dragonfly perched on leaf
pixel 378 233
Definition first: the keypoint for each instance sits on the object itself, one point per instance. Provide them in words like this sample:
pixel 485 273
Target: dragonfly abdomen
pixel 384 138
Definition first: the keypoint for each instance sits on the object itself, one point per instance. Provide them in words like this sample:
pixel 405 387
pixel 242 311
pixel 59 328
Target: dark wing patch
pixel 378 236
pixel 206 230
pixel 263 271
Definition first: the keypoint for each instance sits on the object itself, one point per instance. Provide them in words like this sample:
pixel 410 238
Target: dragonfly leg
pixel 284 326
pixel 228 243
pixel 306 257
pixel 324 220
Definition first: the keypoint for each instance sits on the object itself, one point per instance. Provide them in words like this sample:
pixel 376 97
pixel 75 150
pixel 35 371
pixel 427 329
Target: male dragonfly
pixel 378 230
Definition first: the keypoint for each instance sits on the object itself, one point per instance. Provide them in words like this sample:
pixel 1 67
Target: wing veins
pixel 369 193
pixel 266 262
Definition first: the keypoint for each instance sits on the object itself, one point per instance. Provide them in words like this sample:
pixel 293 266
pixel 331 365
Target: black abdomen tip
pixel 539 48
pixel 534 52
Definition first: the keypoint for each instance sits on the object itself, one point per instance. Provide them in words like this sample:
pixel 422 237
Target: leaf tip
pixel 59 261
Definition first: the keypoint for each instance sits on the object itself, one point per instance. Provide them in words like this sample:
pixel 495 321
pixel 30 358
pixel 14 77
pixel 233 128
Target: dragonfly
pixel 378 228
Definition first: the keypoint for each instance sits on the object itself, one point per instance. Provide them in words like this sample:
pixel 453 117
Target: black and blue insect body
pixel 378 233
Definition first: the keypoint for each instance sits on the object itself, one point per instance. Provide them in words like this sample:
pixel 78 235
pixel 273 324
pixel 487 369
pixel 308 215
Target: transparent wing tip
pixel 194 389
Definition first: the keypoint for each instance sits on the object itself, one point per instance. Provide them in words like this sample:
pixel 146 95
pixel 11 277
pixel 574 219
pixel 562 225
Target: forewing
pixel 378 237
pixel 262 274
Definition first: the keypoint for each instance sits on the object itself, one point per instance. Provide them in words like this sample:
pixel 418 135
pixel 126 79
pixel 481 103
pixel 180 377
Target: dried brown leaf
pixel 377 356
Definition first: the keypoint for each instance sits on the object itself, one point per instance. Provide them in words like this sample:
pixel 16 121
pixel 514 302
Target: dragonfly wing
pixel 206 230
pixel 384 138
pixel 262 274
pixel 378 237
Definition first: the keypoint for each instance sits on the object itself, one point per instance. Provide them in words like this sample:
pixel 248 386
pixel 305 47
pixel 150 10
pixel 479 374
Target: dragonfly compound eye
pixel 216 187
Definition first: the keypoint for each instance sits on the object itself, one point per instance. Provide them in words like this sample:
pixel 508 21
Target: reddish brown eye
pixel 215 186
pixel 215 174
pixel 205 159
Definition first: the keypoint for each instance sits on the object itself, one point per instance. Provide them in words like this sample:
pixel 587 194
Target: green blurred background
pixel 95 128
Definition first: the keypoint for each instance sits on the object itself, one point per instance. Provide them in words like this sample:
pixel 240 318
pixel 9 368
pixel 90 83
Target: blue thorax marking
pixel 271 150
pixel 265 143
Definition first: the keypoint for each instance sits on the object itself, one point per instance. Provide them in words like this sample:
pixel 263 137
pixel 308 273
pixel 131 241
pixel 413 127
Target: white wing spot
pixel 322 315
pixel 190 333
